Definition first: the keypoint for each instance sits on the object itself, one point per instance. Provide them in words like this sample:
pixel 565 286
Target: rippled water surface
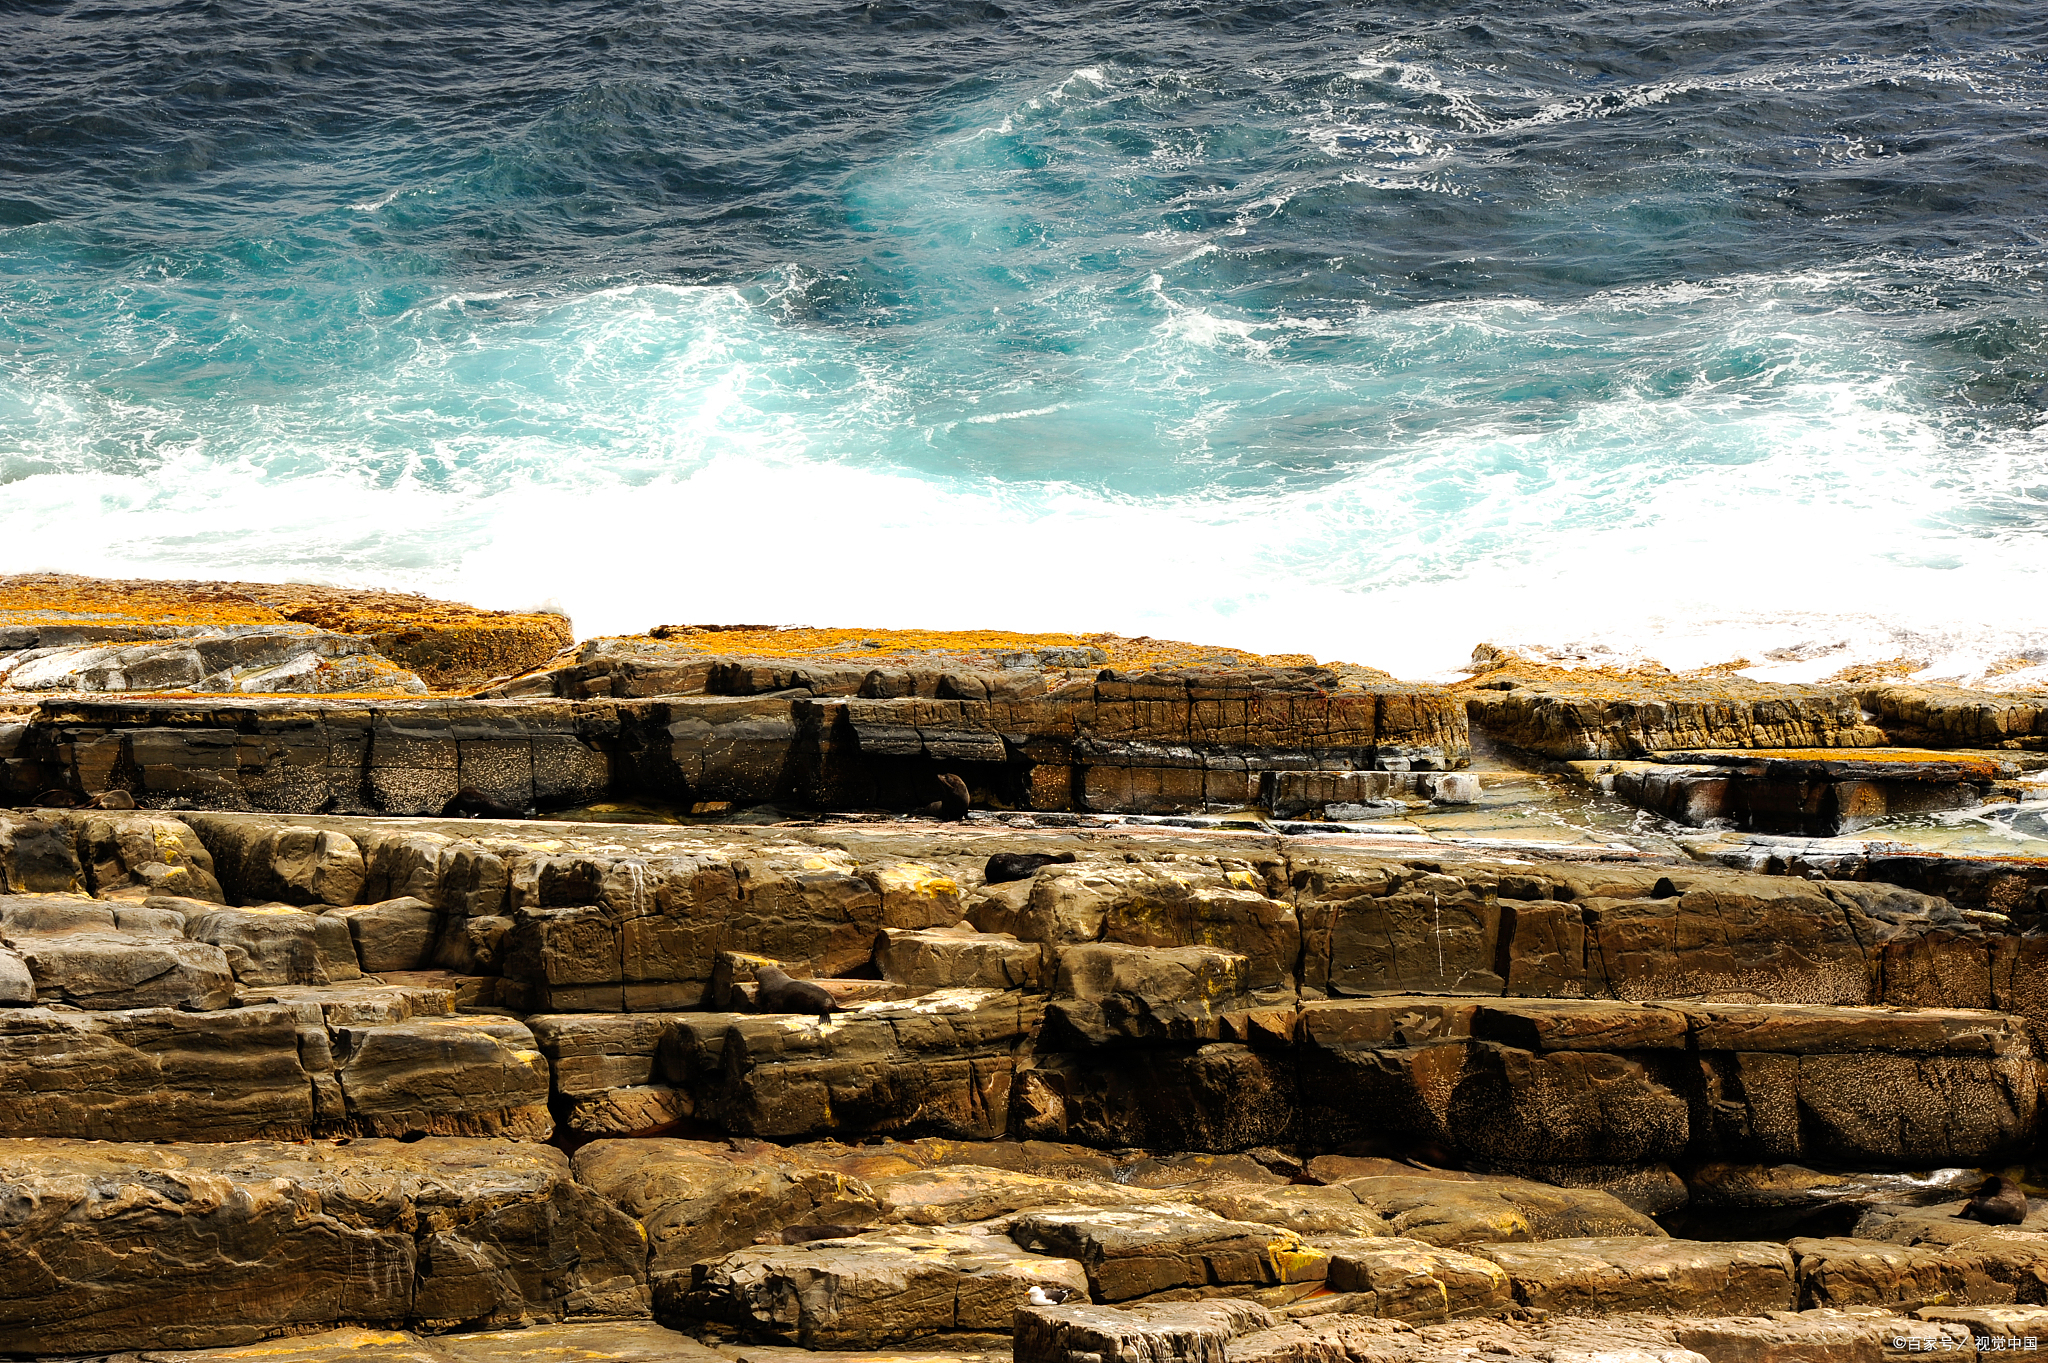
pixel 1371 331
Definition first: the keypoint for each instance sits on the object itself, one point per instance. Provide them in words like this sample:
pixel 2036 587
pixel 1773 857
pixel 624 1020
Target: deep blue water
pixel 1369 330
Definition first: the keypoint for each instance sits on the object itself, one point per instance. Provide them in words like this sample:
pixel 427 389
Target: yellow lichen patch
pixel 449 644
pixel 1294 1262
pixel 907 645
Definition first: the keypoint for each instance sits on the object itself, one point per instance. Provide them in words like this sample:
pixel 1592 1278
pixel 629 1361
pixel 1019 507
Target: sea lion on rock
pixel 1999 1202
pixel 778 993
pixel 1007 866
pixel 471 803
pixel 55 799
pixel 111 799
pixel 952 805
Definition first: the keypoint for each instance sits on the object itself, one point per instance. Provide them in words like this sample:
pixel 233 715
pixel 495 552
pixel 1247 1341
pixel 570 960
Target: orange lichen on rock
pixel 450 645
pixel 907 645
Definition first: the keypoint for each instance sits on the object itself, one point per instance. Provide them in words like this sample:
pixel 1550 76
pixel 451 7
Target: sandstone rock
pixel 596 1056
pixel 1441 1211
pixel 1682 1277
pixel 397 934
pixel 947 958
pixel 1138 1251
pixel 470 1076
pixel 152 1246
pixel 134 856
pixel 1846 1272
pixel 699 1200
pixel 915 896
pixel 944 1063
pixel 1305 1209
pixel 899 1286
pixel 1222 1096
pixel 1411 1280
pixel 275 945
pixel 101 970
pixel 1177 1332
pixel 1607 717
pixel 1105 992
pixel 290 864
pixel 153 1074
pixel 38 856
pixel 951 1195
pixel 1821 1335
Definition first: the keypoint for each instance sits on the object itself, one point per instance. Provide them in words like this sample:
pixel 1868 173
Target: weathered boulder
pixel 700 1200
pixel 1412 1280
pixel 276 944
pixel 906 1285
pixel 1136 1251
pixel 261 861
pixel 79 954
pixel 38 855
pixel 1106 992
pixel 396 934
pixel 943 1063
pixel 135 856
pixel 1681 1277
pixel 1222 1096
pixel 189 1246
pixel 950 958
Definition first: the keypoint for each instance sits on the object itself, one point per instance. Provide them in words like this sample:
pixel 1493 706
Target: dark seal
pixel 1999 1202
pixel 111 799
pixel 1008 866
pixel 471 803
pixel 780 994
pixel 952 805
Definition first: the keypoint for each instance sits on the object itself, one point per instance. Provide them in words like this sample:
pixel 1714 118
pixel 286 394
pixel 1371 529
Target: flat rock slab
pixel 280 1067
pixel 962 1193
pixel 611 1341
pixel 1681 1277
pixel 878 1289
pixel 701 1199
pixel 1410 1280
pixel 1442 1211
pixel 194 1246
pixel 1134 1252
pixel 1999 1268
pixel 1176 1332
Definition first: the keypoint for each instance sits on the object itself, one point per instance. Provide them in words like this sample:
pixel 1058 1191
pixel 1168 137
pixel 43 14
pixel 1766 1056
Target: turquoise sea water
pixel 1369 331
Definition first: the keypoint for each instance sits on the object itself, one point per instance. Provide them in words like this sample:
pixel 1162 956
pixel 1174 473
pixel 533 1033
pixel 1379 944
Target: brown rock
pixel 1682 1277
pixel 698 1200
pixel 1177 1332
pixel 1138 1251
pixel 900 1286
pixel 153 1246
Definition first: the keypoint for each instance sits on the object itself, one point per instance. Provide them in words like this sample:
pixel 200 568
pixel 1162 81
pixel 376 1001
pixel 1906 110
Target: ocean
pixel 1695 331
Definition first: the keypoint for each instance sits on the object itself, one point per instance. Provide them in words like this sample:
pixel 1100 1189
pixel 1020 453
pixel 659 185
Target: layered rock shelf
pixel 449 1028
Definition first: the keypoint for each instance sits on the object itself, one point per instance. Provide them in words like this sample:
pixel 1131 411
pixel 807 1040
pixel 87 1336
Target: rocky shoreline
pixel 1209 1032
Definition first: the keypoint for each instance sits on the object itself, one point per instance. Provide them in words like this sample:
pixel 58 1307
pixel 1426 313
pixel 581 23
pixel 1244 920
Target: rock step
pixel 208 1246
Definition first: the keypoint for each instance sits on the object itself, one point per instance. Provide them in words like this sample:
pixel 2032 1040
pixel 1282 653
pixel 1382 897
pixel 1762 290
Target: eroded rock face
pixel 905 1285
pixel 701 1200
pixel 155 1247
pixel 1683 1277
pixel 1137 1251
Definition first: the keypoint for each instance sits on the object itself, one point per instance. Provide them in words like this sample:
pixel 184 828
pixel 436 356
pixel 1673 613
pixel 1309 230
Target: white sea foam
pixel 651 453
